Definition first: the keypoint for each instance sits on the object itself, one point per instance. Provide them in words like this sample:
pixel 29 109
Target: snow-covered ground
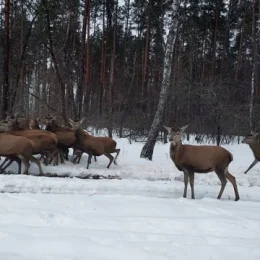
pixel 142 216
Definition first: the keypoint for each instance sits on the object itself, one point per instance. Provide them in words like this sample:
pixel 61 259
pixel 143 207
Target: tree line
pixel 105 60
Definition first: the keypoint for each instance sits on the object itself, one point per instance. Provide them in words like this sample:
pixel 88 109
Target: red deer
pixel 34 124
pixel 94 145
pixel 253 140
pixel 44 142
pixel 21 147
pixel 65 135
pixel 66 138
pixel 200 159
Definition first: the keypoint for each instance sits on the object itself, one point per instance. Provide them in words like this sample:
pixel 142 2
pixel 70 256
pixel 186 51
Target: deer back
pixel 14 145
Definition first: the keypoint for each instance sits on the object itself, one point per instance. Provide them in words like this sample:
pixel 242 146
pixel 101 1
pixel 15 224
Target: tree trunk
pixel 251 102
pixel 147 151
pixel 6 90
pixel 55 63
pixel 103 64
pixel 87 92
pixel 24 44
pixel 112 75
pixel 146 61
pixel 240 47
pixel 81 85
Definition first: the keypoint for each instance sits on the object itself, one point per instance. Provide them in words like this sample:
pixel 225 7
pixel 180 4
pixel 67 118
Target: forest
pixel 106 59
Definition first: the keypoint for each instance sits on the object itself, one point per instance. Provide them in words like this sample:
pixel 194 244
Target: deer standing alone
pixel 93 145
pixel 253 140
pixel 200 159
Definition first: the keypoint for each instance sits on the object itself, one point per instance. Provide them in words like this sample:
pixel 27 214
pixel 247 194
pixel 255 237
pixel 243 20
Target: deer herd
pixel 21 138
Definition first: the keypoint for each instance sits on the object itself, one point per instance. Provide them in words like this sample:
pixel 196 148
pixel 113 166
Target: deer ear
pixel 54 118
pixel 168 128
pixel 82 120
pixel 183 129
pixel 70 121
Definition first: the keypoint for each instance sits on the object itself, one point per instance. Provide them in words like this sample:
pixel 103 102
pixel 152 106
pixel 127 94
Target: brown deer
pixel 12 146
pixel 253 140
pixel 65 135
pixel 200 159
pixel 66 138
pixel 93 145
pixel 44 142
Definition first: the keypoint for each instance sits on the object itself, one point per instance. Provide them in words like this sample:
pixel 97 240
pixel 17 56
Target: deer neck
pixel 79 135
pixel 255 149
pixel 174 149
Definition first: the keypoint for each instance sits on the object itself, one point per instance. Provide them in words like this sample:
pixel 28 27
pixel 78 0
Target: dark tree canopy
pixel 105 61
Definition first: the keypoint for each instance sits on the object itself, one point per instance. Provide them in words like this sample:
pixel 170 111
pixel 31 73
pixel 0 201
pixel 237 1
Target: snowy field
pixel 142 216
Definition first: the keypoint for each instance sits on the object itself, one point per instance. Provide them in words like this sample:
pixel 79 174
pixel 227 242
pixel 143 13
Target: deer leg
pixel 186 180
pixel 89 159
pixel 110 157
pixel 80 155
pixel 191 177
pixel 74 159
pixel 46 157
pixel 55 157
pixel 11 159
pixel 251 165
pixel 232 179
pixel 62 157
pixel 26 164
pixel 41 156
pixel 35 160
pixel 51 159
pixel 223 182
pixel 79 158
pixel 65 152
pixel 5 160
pixel 19 165
pixel 95 158
pixel 117 153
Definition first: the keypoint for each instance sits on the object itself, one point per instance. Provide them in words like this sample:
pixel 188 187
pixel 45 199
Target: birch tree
pixel 147 151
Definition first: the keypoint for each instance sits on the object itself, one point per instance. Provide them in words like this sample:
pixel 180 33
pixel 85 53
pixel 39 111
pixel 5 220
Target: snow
pixel 142 216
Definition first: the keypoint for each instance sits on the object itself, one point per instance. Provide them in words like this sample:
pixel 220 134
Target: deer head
pixel 7 125
pixel 77 123
pixel 175 133
pixel 50 118
pixel 251 138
